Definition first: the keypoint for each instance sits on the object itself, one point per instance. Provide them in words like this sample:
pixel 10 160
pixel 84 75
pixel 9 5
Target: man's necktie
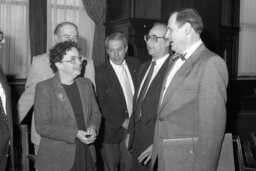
pixel 172 61
pixel 128 89
pixel 143 92
pixel 3 115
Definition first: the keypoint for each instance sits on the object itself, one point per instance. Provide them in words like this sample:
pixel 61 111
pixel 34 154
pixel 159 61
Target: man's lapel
pixel 180 75
pixel 158 78
pixel 132 70
pixel 113 78
pixel 140 78
pixel 115 82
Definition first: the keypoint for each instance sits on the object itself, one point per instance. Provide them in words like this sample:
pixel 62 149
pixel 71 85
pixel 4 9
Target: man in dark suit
pixel 115 81
pixel 193 95
pixel 6 125
pixel 146 98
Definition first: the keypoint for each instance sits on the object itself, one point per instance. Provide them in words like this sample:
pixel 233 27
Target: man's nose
pixel 116 53
pixel 167 34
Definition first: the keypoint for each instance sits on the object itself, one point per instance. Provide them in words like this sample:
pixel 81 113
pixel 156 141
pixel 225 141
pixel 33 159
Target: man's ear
pixel 56 38
pixel 126 48
pixel 188 28
pixel 107 52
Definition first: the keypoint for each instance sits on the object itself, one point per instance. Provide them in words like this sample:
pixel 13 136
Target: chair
pixel 248 151
pixel 25 148
pixel 253 136
pixel 239 155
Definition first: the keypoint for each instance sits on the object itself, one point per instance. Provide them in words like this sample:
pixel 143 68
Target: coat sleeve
pixel 90 70
pixel 212 114
pixel 43 118
pixel 95 118
pixel 26 100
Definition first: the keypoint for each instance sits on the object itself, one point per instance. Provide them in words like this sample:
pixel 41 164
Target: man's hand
pixel 126 123
pixel 145 155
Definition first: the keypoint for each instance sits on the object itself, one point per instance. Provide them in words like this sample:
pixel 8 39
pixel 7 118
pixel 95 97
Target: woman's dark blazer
pixel 55 122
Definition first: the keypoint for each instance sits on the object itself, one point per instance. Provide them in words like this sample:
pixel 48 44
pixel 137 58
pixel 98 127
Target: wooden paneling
pixel 134 18
pixel 125 9
pixel 147 9
pixel 118 10
pixel 134 29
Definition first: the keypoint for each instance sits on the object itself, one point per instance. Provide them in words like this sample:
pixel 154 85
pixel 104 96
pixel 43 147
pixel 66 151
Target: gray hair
pixel 116 36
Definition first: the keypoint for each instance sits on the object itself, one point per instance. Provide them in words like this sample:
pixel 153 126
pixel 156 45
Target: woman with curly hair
pixel 67 116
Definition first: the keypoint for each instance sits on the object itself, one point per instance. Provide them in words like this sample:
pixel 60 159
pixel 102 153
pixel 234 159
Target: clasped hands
pixel 88 136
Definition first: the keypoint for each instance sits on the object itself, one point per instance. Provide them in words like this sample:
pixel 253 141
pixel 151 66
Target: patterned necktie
pixel 143 92
pixel 127 89
pixel 3 115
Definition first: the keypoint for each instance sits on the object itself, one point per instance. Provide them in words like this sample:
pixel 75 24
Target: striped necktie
pixel 143 92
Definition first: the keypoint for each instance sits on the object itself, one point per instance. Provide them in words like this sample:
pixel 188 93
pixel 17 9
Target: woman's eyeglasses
pixel 74 59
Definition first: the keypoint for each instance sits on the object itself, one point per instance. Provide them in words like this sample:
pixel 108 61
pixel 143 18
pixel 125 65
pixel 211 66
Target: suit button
pixel 126 111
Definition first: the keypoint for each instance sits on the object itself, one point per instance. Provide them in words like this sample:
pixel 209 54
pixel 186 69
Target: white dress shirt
pixel 118 70
pixel 178 65
pixel 159 63
pixel 3 97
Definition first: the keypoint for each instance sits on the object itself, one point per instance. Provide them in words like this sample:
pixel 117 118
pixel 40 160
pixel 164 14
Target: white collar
pixel 192 48
pixel 161 60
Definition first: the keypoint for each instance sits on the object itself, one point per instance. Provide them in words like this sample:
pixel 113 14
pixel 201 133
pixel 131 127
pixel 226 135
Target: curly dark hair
pixel 58 51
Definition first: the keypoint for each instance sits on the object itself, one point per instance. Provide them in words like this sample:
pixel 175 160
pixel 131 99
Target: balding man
pixel 193 94
pixel 142 123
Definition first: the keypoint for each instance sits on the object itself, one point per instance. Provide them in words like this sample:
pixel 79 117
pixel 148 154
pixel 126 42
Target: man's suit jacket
pixel 40 70
pixel 148 107
pixel 112 100
pixel 55 122
pixel 4 142
pixel 194 106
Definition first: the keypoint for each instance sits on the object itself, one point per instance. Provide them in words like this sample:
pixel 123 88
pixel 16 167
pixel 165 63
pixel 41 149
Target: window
pixel 247 39
pixel 15 53
pixel 73 11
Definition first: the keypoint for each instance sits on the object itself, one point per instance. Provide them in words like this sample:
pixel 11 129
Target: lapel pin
pixel 61 97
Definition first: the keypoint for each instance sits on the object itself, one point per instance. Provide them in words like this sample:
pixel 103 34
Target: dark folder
pixel 179 154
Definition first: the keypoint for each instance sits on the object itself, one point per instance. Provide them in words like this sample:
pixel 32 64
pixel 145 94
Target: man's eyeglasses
pixel 74 59
pixel 153 38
